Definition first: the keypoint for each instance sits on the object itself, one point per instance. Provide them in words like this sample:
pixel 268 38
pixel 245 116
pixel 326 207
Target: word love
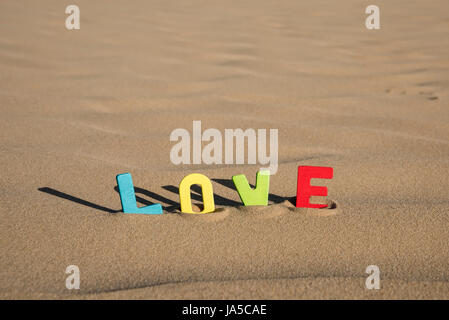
pixel 249 196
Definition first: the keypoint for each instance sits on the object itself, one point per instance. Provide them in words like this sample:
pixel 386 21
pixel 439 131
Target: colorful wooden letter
pixel 128 197
pixel 257 196
pixel 206 188
pixel 305 190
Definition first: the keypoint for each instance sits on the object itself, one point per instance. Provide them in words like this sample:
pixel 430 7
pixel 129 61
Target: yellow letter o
pixel 206 188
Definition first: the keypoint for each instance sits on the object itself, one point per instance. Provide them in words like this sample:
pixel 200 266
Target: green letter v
pixel 257 196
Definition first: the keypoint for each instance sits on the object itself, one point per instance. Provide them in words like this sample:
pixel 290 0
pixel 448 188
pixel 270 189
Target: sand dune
pixel 79 107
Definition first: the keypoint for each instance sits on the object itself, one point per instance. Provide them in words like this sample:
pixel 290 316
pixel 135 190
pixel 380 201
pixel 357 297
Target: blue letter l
pixel 128 197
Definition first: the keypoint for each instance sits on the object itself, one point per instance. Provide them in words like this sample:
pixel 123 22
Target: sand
pixel 79 107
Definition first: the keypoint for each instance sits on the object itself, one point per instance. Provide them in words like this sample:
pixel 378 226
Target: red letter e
pixel 305 190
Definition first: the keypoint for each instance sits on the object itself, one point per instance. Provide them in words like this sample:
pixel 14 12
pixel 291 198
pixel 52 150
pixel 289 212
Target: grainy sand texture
pixel 79 107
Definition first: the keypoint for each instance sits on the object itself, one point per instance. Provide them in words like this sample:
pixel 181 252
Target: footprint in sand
pixel 217 215
pixel 273 210
pixel 332 208
pixel 428 94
